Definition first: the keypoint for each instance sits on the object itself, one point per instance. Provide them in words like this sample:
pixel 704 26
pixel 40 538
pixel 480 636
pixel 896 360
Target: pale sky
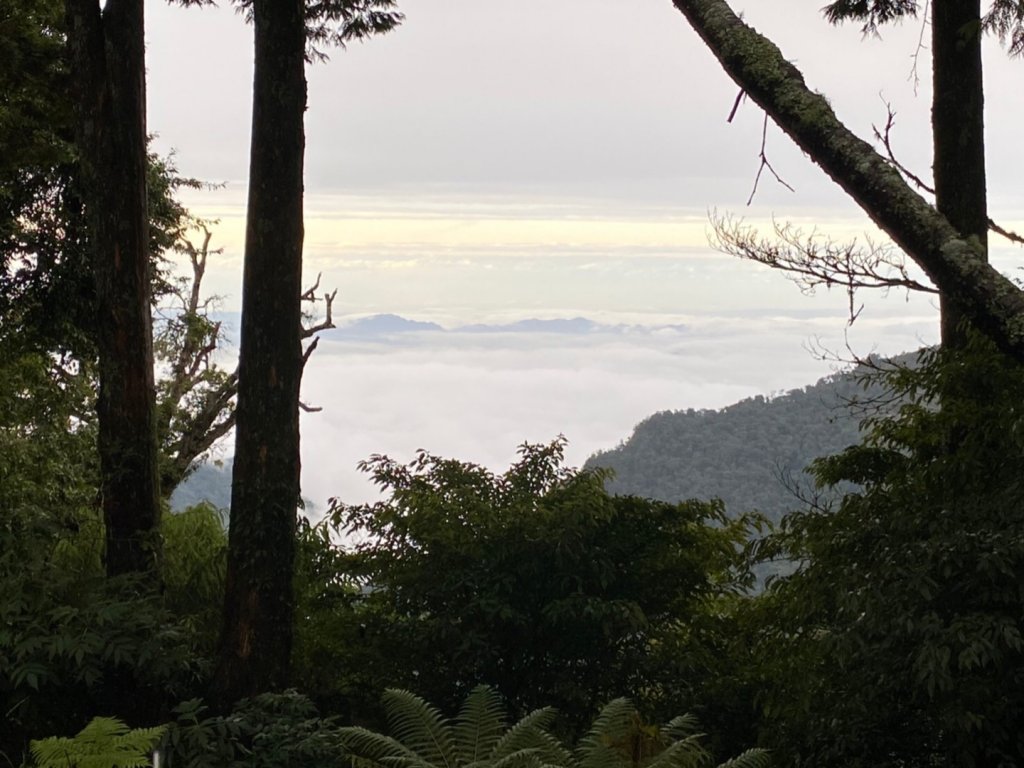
pixel 493 160
pixel 485 141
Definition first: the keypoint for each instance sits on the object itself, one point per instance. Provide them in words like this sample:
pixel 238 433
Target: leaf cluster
pixel 480 736
pixel 537 581
pixel 904 617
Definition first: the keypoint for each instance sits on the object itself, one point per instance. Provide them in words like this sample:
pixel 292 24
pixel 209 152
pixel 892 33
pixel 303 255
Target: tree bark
pixel 257 632
pixel 958 130
pixel 954 263
pixel 108 63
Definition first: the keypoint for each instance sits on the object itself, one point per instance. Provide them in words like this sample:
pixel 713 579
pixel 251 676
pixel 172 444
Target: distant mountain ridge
pixel 745 454
pixel 388 324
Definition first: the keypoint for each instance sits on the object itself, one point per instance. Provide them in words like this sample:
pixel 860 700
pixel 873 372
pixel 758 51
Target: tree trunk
pixel 108 64
pixel 257 632
pixel 958 131
pixel 956 265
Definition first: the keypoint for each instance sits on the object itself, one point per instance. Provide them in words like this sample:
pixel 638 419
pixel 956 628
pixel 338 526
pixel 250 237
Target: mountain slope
pixel 745 454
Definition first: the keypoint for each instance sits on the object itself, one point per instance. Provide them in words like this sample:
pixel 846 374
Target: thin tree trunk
pixel 958 130
pixel 108 63
pixel 257 633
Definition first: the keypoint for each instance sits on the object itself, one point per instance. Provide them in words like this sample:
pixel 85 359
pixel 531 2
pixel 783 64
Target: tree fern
pixel 531 732
pixel 602 746
pixel 105 742
pixel 479 725
pixel 752 758
pixel 479 737
pixel 421 728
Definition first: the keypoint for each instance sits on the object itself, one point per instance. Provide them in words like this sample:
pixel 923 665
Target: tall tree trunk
pixel 257 633
pixel 958 131
pixel 108 63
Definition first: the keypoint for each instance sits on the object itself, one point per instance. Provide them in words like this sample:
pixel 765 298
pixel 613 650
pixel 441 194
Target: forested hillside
pixel 749 454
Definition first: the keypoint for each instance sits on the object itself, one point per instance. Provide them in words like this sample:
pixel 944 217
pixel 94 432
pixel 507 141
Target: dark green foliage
pixel 537 581
pixel 105 742
pixel 905 618
pixel 1004 17
pixel 282 730
pixel 872 12
pixel 335 22
pixel 480 736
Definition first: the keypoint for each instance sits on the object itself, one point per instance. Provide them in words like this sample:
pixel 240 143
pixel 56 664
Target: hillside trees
pixel 904 618
pixel 954 260
pixel 536 581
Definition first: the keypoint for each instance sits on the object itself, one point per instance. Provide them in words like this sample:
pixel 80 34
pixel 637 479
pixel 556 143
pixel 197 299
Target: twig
pixel 915 57
pixel 740 97
pixel 765 164
pixel 885 137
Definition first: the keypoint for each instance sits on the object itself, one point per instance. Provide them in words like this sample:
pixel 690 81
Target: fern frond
pixel 369 748
pixel 479 725
pixel 597 749
pixel 105 742
pixel 682 753
pixel 531 733
pixel 682 727
pixel 420 727
pixel 523 758
pixel 752 758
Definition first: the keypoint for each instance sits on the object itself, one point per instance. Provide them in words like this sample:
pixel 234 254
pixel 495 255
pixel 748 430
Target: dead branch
pixel 812 260
pixel 885 137
pixel 1010 235
pixel 740 98
pixel 328 298
pixel 916 56
pixel 765 164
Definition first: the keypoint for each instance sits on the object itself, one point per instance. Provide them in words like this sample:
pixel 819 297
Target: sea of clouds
pixel 391 385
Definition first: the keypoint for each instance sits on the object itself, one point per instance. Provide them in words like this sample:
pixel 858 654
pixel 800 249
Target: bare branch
pixel 885 137
pixel 956 265
pixel 916 56
pixel 1010 235
pixel 328 322
pixel 765 164
pixel 740 97
pixel 310 293
pixel 812 260
pixel 309 350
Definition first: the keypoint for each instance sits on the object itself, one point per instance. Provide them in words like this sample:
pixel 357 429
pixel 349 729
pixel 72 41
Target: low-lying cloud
pixel 477 395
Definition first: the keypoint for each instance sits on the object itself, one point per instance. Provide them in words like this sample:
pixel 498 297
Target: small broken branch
pixel 740 97
pixel 1010 235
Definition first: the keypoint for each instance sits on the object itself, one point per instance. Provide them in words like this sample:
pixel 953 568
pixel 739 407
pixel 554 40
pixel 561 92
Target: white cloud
pixel 476 397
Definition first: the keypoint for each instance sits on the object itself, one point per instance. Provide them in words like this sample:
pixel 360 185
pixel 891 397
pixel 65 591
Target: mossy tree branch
pixel 955 265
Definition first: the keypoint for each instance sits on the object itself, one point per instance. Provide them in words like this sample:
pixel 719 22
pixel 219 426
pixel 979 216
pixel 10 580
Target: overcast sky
pixel 495 160
pixel 490 137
